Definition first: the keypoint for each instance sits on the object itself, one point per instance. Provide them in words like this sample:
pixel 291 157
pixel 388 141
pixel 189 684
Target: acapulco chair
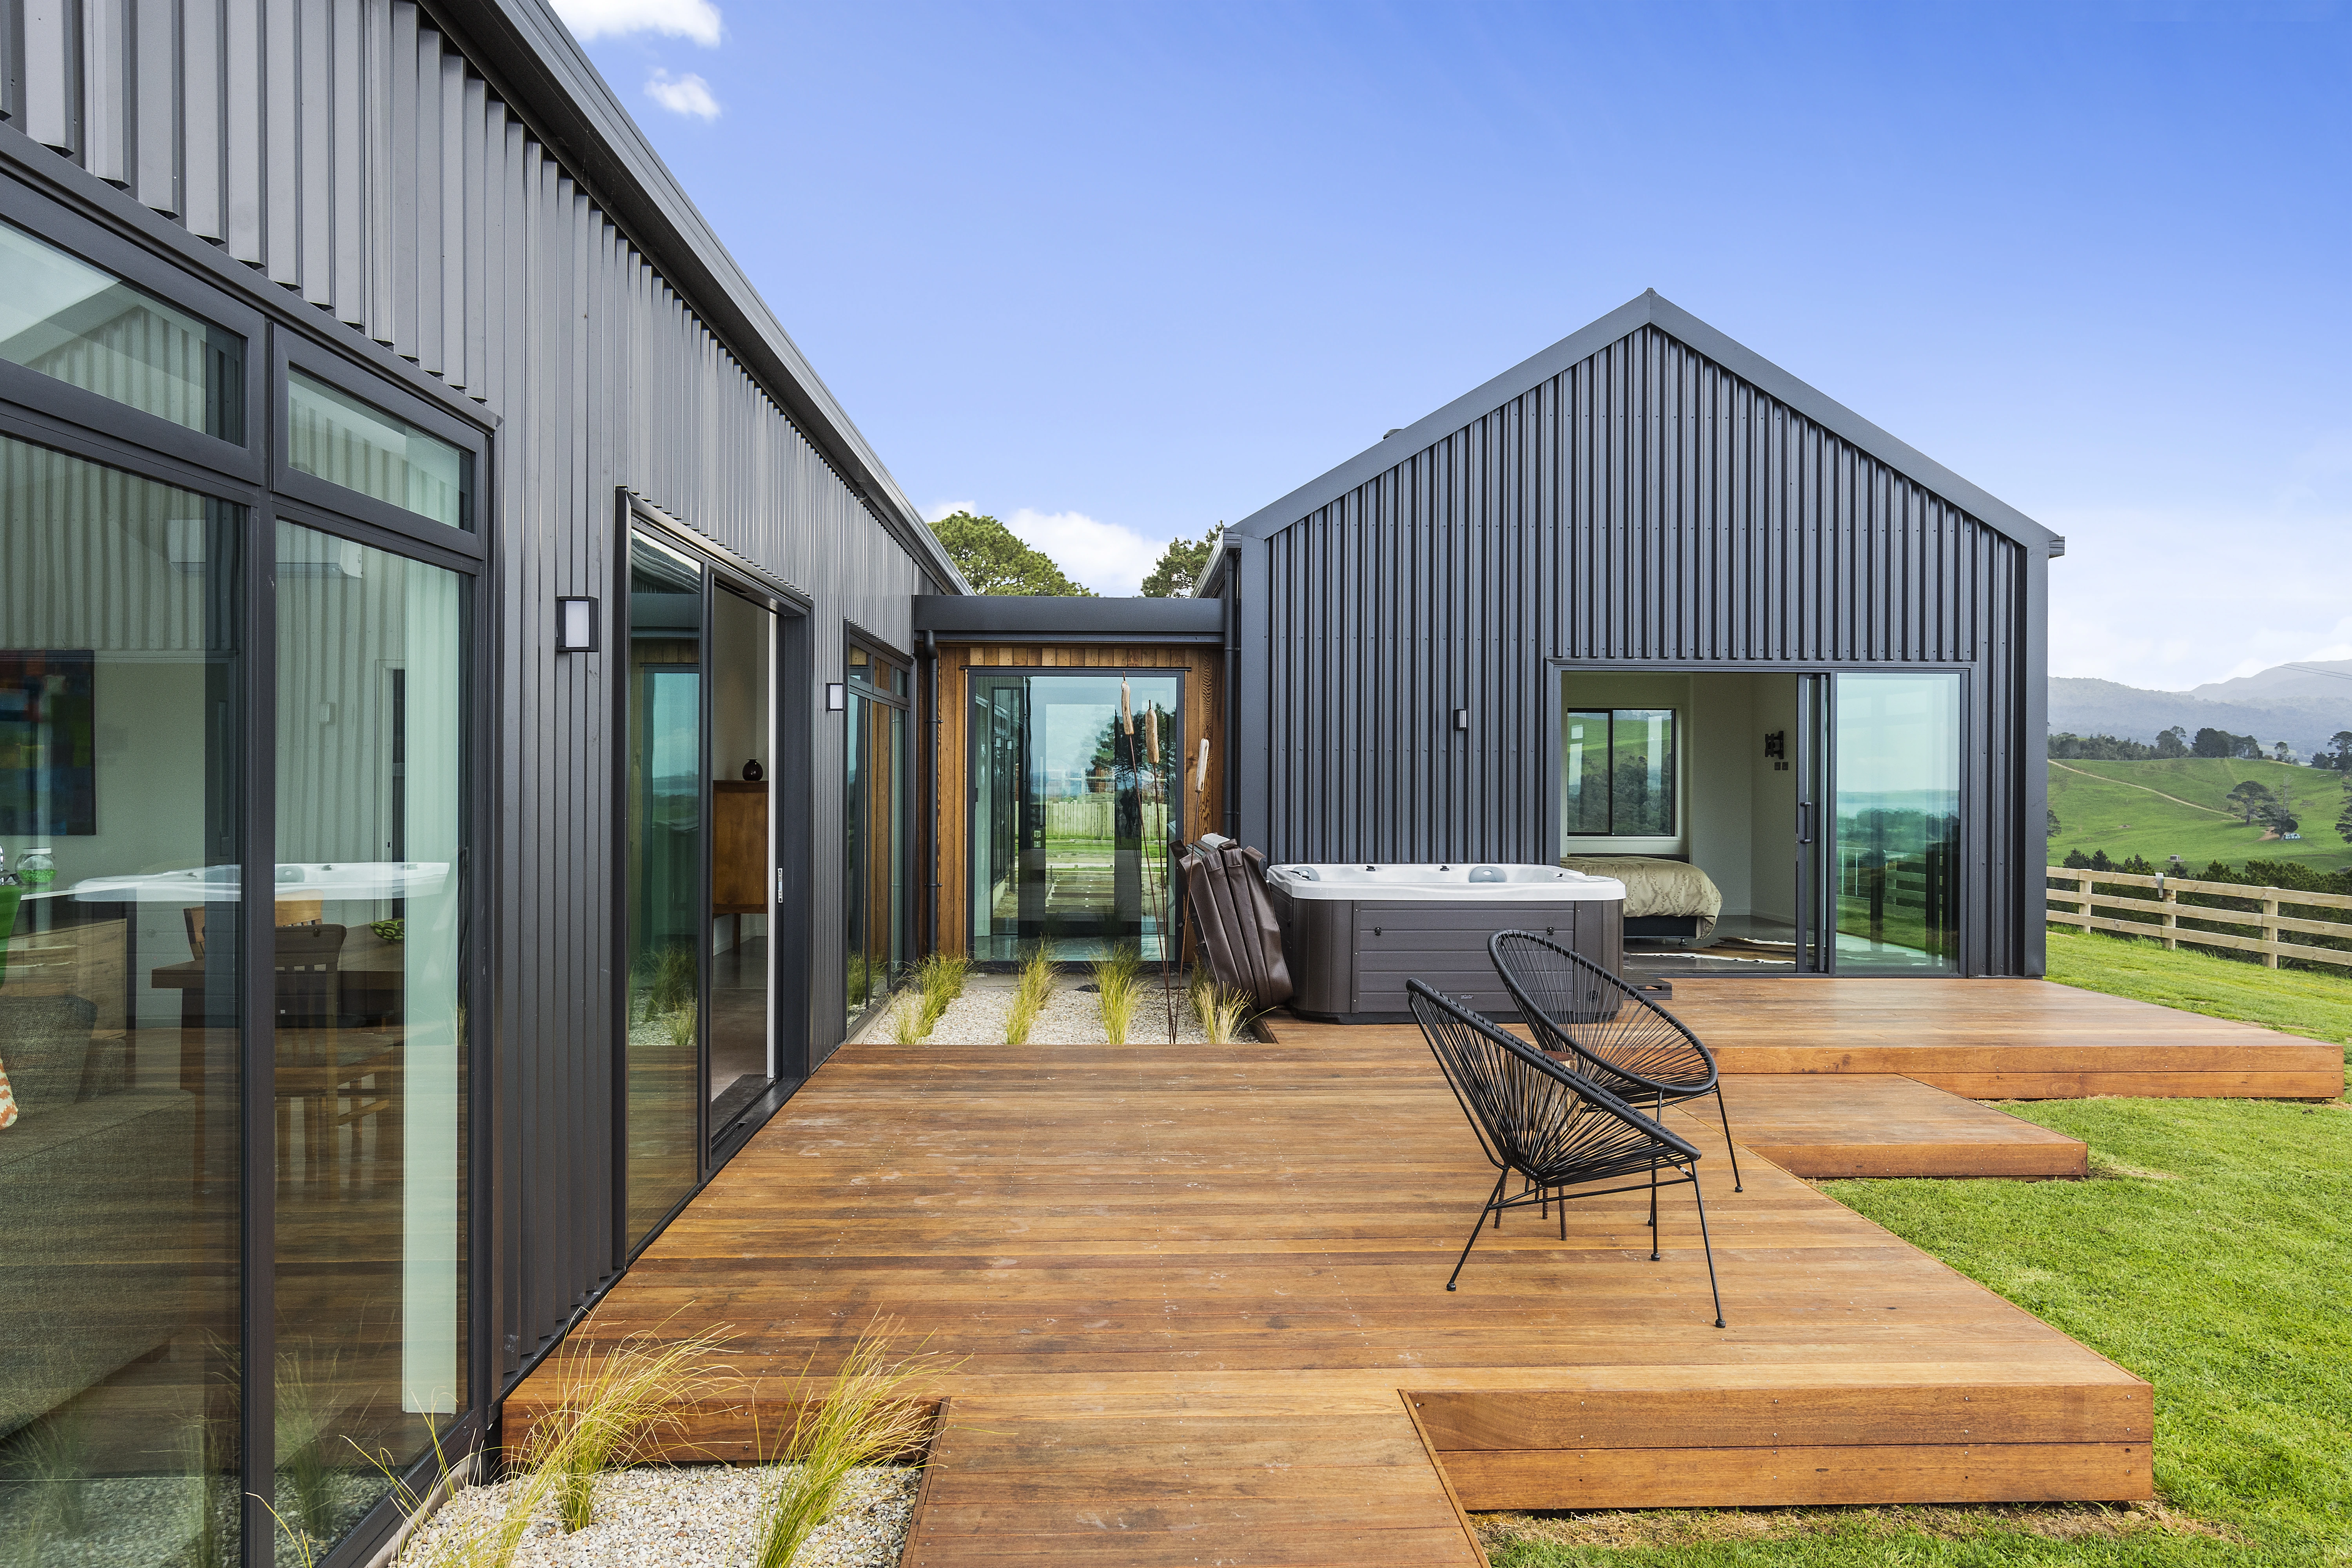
pixel 1552 1128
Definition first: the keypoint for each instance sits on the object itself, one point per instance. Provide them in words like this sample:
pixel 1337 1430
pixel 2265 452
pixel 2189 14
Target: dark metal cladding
pixel 1638 502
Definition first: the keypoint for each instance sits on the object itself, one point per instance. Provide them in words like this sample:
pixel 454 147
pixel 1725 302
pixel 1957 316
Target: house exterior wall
pixel 1641 505
pixel 350 167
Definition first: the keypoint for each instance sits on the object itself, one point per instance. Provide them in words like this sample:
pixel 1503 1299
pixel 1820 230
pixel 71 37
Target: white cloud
pixel 1104 556
pixel 687 94
pixel 2172 600
pixel 694 19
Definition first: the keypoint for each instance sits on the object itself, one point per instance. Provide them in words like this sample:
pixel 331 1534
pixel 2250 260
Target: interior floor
pixel 739 1026
pixel 1742 944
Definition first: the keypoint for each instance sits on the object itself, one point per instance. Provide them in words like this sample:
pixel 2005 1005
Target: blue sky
pixel 1116 272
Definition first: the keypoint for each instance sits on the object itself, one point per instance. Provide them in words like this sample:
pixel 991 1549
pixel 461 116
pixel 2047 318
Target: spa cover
pixel 1233 920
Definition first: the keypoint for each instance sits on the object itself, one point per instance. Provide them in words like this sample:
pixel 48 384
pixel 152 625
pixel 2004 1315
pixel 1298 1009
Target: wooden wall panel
pixel 1204 669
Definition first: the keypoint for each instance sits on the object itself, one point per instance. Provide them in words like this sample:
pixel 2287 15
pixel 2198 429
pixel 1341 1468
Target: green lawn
pixel 2109 807
pixel 2211 1252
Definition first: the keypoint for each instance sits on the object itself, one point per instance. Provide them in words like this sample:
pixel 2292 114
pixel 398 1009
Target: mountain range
pixel 2303 704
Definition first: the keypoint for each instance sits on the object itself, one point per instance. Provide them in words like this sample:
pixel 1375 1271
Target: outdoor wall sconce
pixel 834 699
pixel 575 626
pixel 1462 718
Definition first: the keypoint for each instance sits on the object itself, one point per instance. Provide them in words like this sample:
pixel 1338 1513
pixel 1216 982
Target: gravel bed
pixel 1069 1017
pixel 692 1516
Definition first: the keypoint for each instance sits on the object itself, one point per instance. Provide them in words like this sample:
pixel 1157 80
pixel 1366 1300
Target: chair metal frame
pixel 1553 1128
pixel 1574 1010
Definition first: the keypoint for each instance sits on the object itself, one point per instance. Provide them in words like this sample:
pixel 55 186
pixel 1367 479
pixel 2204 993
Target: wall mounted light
pixel 835 701
pixel 575 626
pixel 1462 718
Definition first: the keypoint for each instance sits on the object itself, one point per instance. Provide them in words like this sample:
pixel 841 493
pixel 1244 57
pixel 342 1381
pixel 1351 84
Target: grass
pixel 1030 994
pixel 868 1416
pixel 2310 1002
pixel 2109 807
pixel 1223 1013
pixel 612 1405
pixel 940 978
pixel 1118 988
pixel 2211 1253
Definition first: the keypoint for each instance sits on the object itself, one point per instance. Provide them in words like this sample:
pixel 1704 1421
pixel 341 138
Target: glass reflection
pixel 666 855
pixel 874 818
pixel 65 319
pixel 119 1019
pixel 371 1024
pixel 742 653
pixel 338 438
pixel 1897 788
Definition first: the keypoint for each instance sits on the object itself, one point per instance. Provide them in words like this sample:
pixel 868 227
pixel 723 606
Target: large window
pixel 121 800
pixel 1617 773
pixel 875 820
pixel 334 437
pixel 1897 822
pixel 234 1080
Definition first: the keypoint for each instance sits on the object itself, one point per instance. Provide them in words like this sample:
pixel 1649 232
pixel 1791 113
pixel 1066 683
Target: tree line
pixel 2177 742
pixel 995 560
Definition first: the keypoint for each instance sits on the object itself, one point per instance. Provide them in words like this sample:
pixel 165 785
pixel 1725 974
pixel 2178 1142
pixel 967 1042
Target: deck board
pixel 1984 1039
pixel 1185 1290
pixel 1827 1125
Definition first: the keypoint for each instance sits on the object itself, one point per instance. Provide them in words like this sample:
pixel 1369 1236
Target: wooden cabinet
pixel 738 847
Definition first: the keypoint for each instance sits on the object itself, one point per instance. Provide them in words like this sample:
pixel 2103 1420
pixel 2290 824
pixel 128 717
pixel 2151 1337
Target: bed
pixel 1662 897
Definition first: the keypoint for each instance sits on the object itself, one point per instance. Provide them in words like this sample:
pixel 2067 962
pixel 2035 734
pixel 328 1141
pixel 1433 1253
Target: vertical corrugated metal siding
pixel 345 151
pixel 1643 505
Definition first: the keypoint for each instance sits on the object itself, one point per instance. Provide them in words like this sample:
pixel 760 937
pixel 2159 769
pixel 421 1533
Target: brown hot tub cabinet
pixel 1352 935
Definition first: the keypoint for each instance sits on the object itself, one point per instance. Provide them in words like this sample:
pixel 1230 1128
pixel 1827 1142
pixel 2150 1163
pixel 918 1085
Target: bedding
pixel 1658 887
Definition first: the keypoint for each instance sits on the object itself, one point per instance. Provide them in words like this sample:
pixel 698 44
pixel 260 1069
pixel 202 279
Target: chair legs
pixel 1707 1248
pixel 1730 1147
pixel 1492 1199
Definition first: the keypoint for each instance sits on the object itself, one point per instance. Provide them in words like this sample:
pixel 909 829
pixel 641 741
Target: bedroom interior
pixel 1683 786
pixel 1686 786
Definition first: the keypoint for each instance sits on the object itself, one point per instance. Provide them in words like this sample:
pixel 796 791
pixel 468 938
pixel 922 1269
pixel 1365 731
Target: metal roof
pixel 541 70
pixel 1650 309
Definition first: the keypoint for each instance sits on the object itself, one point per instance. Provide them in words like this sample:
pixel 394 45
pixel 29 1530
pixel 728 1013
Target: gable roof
pixel 1653 309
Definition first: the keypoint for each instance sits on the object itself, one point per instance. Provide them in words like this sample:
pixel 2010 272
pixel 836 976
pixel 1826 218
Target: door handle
pixel 1804 822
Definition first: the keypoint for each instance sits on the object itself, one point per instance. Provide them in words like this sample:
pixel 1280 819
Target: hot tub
pixel 1352 935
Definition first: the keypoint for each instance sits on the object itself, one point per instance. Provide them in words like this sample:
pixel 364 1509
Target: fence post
pixel 2171 918
pixel 2082 886
pixel 2270 929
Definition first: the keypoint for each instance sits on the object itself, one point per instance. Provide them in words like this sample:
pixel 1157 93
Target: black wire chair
pixel 1553 1128
pixel 1627 1043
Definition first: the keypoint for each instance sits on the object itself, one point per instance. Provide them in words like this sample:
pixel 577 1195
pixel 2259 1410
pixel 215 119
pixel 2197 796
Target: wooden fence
pixel 2115 902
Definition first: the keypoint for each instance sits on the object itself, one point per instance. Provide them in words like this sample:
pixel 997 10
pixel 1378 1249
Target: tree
pixel 1180 565
pixel 2221 743
pixel 2344 822
pixel 993 559
pixel 2172 742
pixel 2251 797
pixel 2340 759
pixel 2278 818
pixel 2076 861
pixel 2052 830
pixel 2282 753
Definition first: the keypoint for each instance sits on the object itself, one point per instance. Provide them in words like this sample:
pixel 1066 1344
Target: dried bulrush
pixel 870 1416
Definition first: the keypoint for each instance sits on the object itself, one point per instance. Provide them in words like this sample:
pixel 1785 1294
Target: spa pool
pixel 1353 934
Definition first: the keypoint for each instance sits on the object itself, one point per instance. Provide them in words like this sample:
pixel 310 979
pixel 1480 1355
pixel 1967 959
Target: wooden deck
pixel 1198 1300
pixel 1986 1039
pixel 1826 1125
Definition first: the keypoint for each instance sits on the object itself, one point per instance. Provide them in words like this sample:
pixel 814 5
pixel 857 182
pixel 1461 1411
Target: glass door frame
pixel 792 720
pixel 975 830
pixel 1816 764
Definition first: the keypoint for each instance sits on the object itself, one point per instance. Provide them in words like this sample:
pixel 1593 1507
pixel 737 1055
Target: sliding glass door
pixel 1892 859
pixel 1070 811
pixel 874 902
pixel 742 856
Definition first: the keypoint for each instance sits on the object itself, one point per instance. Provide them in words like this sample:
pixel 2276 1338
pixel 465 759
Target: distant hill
pixel 2302 704
pixel 2182 806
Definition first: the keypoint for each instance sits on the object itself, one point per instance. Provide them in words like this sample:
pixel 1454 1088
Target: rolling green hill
pixel 2122 808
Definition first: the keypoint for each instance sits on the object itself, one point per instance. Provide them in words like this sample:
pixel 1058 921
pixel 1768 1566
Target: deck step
pixel 1828 1125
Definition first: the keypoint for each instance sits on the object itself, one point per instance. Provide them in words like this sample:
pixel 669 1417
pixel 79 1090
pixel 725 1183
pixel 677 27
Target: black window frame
pixel 45 412
pixel 288 354
pixel 1609 748
pixel 73 406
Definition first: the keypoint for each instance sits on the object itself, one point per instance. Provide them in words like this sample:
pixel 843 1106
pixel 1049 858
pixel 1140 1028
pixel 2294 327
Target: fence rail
pixel 2160 915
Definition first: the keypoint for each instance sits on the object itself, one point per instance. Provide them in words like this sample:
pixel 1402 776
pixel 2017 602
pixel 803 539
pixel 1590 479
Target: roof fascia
pixel 539 70
pixel 1650 309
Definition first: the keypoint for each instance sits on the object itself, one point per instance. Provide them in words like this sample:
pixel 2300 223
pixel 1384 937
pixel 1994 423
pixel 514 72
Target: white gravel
pixel 690 1516
pixel 1070 1017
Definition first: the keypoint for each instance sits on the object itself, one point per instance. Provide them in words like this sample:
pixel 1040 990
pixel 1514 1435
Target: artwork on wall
pixel 48 765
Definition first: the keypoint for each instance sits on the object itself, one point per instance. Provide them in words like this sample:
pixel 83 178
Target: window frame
pixel 1676 829
pixel 289 353
pixel 76 406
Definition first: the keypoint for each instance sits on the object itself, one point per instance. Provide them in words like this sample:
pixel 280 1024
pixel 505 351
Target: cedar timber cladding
pixel 1645 491
pixel 355 154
